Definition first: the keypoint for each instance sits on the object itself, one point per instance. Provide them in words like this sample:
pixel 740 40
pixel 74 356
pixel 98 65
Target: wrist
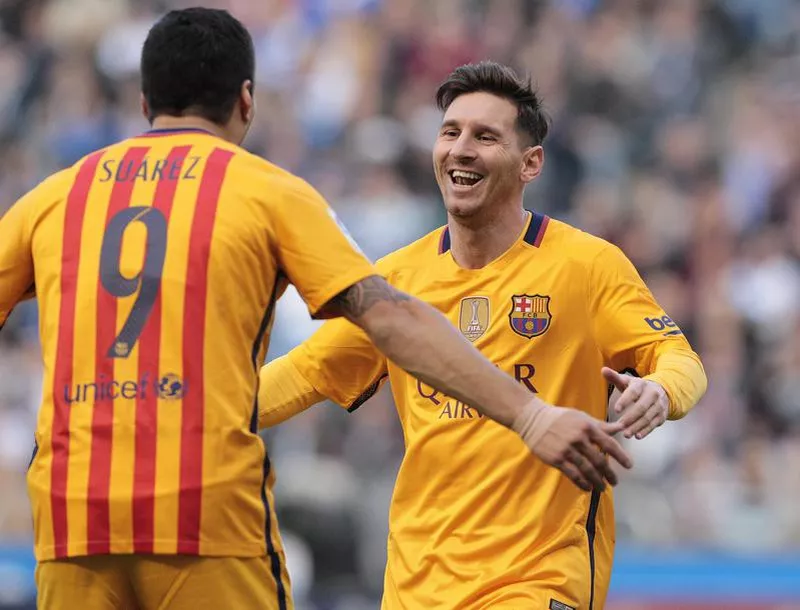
pixel 528 422
pixel 655 378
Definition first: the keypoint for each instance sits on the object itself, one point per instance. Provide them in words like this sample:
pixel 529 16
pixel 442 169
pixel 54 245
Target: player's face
pixel 479 158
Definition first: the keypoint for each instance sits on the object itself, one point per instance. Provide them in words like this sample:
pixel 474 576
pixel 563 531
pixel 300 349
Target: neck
pixel 190 122
pixel 475 243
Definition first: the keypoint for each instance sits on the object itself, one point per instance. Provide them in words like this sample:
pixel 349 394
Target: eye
pixel 450 133
pixel 485 137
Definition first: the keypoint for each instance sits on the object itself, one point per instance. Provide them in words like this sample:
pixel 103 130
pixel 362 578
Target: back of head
pixel 194 63
pixel 500 80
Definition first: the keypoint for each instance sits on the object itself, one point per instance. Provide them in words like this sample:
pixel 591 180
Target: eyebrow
pixel 480 127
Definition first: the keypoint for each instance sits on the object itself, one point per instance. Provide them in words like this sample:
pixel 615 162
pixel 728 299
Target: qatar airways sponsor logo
pixel 451 408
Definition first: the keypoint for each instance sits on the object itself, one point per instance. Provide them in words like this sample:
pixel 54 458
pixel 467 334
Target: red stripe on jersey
pixel 194 326
pixel 62 376
pixel 144 466
pixel 98 537
pixel 540 235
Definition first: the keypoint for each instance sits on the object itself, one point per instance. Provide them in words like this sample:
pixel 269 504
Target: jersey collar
pixel 534 234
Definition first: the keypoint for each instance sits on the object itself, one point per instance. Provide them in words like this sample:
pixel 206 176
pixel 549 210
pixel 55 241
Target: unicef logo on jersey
pixel 171 387
pixel 167 386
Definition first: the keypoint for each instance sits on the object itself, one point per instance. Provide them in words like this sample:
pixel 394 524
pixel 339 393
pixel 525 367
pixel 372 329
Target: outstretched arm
pixel 337 362
pixel 635 333
pixel 283 393
pixel 421 341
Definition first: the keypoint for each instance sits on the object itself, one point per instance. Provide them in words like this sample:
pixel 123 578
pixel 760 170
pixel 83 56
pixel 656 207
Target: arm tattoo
pixel 356 300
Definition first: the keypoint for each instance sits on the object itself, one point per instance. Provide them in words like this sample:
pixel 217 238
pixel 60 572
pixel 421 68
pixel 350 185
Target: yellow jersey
pixel 477 521
pixel 157 263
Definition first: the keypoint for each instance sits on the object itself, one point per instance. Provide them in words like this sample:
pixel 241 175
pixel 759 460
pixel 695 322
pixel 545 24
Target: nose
pixel 463 149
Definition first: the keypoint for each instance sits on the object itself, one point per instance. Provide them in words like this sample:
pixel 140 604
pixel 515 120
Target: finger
pixel 639 415
pixel 587 469
pixel 631 394
pixel 633 416
pixel 639 425
pixel 611 428
pixel 574 475
pixel 600 463
pixel 618 380
pixel 657 420
pixel 610 446
pixel 646 432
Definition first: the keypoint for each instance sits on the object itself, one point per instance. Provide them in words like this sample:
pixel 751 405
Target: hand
pixel 644 404
pixel 574 443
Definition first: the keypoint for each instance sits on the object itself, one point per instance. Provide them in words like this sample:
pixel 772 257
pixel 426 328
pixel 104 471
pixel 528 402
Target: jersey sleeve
pixel 16 257
pixel 313 248
pixel 341 363
pixel 635 334
pixel 283 393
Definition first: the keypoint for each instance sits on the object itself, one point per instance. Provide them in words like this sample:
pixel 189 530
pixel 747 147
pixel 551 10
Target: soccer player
pixel 477 522
pixel 157 262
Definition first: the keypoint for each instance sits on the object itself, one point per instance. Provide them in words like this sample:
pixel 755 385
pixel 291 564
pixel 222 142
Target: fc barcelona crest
pixel 473 319
pixel 530 315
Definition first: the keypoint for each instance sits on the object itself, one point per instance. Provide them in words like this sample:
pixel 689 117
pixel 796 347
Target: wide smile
pixel 463 179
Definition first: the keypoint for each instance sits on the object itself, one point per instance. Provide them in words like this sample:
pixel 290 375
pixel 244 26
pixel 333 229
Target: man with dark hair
pixel 157 263
pixel 476 522
pixel 489 77
pixel 210 80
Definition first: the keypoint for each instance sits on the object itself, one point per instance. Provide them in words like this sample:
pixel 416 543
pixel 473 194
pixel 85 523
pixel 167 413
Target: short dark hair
pixel 194 62
pixel 502 81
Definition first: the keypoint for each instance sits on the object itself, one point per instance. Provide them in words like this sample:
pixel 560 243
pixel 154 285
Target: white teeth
pixel 457 173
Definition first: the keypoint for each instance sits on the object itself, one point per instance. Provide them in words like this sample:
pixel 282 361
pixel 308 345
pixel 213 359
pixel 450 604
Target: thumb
pixel 618 380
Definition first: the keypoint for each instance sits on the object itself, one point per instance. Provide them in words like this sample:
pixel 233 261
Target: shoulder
pixel 593 259
pixel 418 254
pixel 580 245
pixel 605 264
pixel 52 189
pixel 584 250
pixel 259 171
pixel 273 194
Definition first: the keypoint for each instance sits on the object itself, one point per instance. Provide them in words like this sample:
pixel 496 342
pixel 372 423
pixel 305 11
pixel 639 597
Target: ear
pixel 532 162
pixel 247 104
pixel 145 108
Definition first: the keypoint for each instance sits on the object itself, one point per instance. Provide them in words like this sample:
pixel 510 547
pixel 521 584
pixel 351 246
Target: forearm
pixel 421 341
pixel 283 393
pixel 680 372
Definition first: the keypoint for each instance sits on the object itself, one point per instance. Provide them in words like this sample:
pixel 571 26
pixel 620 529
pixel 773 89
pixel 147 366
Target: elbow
pixel 702 382
pixel 692 390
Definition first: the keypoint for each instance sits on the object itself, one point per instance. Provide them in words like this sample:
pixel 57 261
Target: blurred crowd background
pixel 675 134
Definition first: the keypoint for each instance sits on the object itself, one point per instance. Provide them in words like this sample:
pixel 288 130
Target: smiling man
pixel 477 522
